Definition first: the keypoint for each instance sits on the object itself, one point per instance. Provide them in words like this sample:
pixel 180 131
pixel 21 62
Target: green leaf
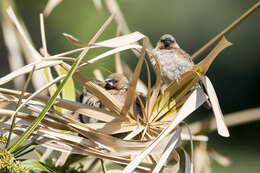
pixel 36 165
pixel 35 123
pixel 68 91
pixel 24 150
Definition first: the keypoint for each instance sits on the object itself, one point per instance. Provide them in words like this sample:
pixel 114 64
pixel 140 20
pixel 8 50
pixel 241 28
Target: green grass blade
pixel 24 150
pixel 31 128
pixel 68 91
pixel 36 165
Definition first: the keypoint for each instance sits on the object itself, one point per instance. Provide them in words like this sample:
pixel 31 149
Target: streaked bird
pixel 116 84
pixel 172 59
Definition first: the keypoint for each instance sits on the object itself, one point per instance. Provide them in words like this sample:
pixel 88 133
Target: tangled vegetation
pixel 121 140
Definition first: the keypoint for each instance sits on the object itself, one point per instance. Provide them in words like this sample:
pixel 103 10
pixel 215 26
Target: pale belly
pixel 172 66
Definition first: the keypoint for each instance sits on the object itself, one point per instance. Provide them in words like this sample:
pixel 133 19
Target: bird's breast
pixel 172 65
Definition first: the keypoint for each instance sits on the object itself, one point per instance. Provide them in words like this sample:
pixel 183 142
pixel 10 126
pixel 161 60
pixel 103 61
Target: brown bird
pixel 116 84
pixel 172 59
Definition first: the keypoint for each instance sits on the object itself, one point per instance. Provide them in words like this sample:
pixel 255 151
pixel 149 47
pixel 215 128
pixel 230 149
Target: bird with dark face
pixel 116 84
pixel 172 59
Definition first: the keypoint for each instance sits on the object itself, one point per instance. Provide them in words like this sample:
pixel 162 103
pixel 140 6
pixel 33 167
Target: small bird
pixel 172 59
pixel 116 84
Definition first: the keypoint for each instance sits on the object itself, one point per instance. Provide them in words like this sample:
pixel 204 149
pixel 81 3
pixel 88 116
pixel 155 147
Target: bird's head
pixel 116 81
pixel 167 41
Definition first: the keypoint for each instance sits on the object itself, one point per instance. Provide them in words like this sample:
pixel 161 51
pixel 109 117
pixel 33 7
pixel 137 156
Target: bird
pixel 173 62
pixel 116 84
pixel 172 59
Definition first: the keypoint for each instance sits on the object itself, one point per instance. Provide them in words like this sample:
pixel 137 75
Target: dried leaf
pixel 26 69
pixel 130 96
pixel 221 126
pixel 14 19
pixel 206 62
pixel 156 89
pixel 196 99
pixel 80 108
pixel 175 93
pixel 134 133
pixel 122 40
pixel 108 53
pixel 167 151
pixel 15 57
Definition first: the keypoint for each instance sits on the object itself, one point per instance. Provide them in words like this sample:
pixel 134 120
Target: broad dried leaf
pixel 84 109
pixel 121 40
pixel 26 69
pixel 31 54
pixel 221 126
pixel 196 99
pixel 108 53
pixel 206 62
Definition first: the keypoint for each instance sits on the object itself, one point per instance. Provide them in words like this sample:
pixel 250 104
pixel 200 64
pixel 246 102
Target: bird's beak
pixel 167 43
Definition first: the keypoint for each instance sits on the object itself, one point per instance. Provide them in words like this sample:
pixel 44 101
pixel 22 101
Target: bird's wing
pixel 185 55
pixel 99 83
pixel 120 95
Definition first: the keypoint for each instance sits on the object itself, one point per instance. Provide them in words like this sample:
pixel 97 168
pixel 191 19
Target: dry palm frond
pixel 121 135
pixel 178 101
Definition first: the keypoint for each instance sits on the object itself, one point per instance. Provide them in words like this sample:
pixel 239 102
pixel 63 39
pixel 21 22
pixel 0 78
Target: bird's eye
pixel 109 80
pixel 169 40
pixel 115 81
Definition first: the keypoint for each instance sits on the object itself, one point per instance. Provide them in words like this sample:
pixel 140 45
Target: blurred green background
pixel 234 74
